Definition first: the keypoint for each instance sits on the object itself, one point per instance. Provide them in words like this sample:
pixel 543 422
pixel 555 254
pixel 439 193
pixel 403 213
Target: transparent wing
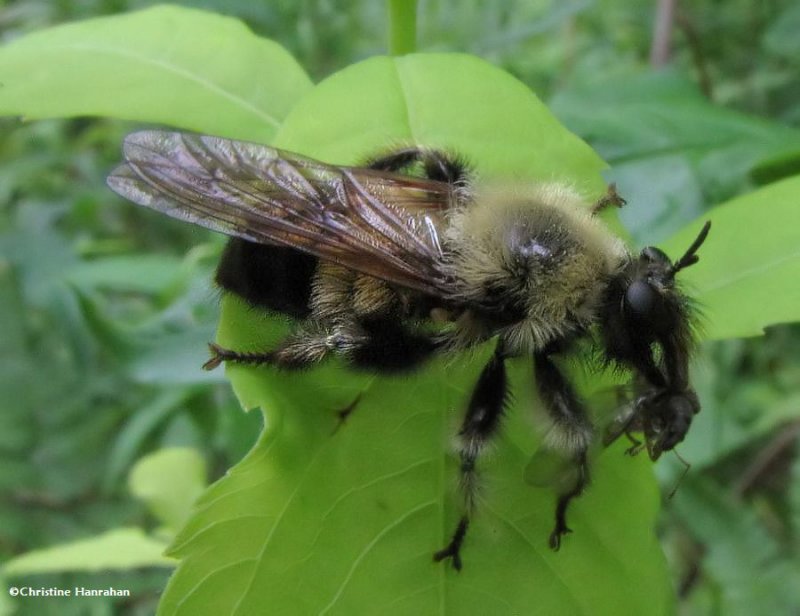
pixel 616 410
pixel 382 224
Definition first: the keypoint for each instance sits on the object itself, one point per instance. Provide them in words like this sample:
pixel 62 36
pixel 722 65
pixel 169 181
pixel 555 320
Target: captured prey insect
pixel 407 257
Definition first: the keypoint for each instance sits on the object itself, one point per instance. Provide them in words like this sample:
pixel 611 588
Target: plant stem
pixel 661 48
pixel 402 26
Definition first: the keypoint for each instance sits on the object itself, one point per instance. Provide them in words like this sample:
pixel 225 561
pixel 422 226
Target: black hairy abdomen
pixel 392 347
pixel 270 277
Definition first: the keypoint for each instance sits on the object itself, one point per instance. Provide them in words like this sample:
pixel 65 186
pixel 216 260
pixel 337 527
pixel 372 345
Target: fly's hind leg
pixel 482 420
pixel 374 344
pixel 301 349
pixel 572 431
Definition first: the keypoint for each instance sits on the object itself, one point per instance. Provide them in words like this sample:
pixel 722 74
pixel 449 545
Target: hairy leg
pixel 437 164
pixel 482 420
pixel 380 345
pixel 298 350
pixel 571 431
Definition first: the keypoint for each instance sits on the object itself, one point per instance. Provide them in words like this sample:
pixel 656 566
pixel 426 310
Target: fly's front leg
pixel 480 424
pixel 571 431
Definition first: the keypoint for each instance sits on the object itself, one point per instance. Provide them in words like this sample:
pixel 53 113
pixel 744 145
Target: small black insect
pixel 389 264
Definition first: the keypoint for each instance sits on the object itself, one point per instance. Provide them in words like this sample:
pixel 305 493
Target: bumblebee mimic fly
pixel 407 257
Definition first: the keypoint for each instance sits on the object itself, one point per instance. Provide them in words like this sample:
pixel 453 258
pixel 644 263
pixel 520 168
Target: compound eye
pixel 640 299
pixel 684 406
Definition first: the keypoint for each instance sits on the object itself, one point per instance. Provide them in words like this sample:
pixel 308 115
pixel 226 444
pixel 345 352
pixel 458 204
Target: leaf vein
pixel 183 73
pixel 368 548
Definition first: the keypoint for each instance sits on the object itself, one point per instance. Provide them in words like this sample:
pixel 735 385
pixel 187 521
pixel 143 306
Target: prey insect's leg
pixel 481 422
pixel 572 431
pixel 611 198
pixel 636 444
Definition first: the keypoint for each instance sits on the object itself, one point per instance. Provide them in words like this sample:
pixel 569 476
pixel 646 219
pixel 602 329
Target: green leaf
pixel 750 263
pixel 781 38
pixel 171 65
pixel 169 481
pixel 416 99
pixel 172 358
pixel 140 273
pixel 784 165
pixel 794 497
pixel 671 149
pixel 132 435
pixel 741 560
pixel 122 549
pixel 402 26
pixel 326 518
pixel 653 114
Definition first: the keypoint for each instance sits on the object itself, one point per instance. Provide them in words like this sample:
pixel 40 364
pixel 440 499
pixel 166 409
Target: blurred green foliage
pixel 105 308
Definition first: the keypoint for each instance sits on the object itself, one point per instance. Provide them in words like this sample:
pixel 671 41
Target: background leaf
pixel 122 548
pixel 169 481
pixel 98 372
pixel 750 263
pixel 177 66
pixel 320 519
pixel 671 149
pixel 751 570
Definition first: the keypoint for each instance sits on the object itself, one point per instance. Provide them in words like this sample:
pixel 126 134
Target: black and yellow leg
pixel 481 423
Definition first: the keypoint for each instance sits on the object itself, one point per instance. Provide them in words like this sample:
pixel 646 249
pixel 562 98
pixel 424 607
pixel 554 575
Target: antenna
pixel 690 257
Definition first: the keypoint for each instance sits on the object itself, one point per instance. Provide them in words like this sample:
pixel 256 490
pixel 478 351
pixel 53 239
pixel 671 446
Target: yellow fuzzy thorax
pixel 541 245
